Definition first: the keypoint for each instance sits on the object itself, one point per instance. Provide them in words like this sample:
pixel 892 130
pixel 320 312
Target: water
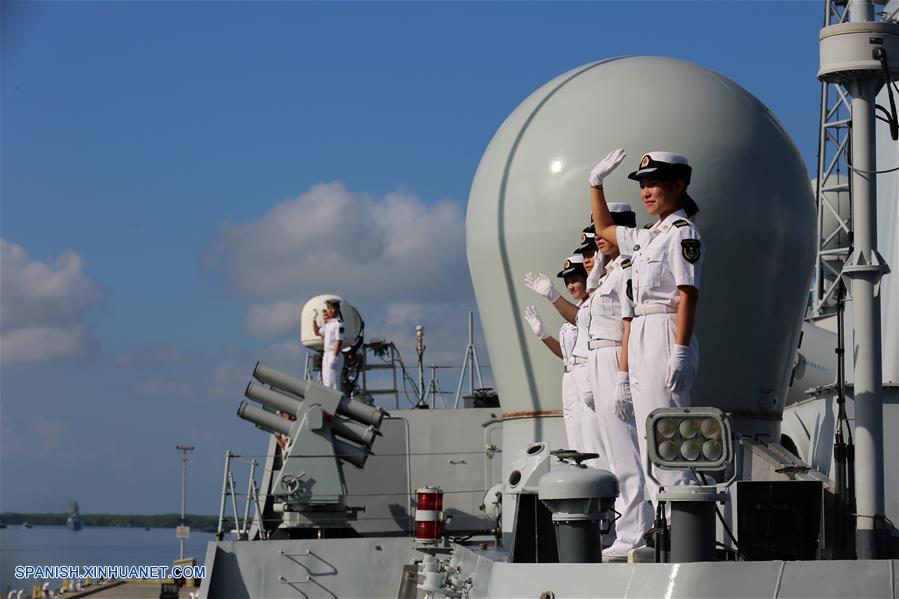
pixel 91 546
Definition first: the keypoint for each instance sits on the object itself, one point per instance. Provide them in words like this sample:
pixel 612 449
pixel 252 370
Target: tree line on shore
pixel 124 520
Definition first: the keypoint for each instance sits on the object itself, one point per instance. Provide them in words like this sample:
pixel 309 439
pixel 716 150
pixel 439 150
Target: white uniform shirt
pixel 567 338
pixel 332 332
pixel 605 304
pixel 665 255
pixel 583 330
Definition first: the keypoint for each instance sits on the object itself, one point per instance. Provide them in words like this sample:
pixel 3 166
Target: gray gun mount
pixel 325 429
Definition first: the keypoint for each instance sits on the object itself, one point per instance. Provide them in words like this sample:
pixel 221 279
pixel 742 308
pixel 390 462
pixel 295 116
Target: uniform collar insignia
pixel 670 219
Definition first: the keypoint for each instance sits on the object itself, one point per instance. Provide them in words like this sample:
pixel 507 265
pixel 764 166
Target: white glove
pixel 541 285
pixel 315 316
pixel 533 318
pixel 678 375
pixel 594 277
pixel 588 401
pixel 605 167
pixel 624 405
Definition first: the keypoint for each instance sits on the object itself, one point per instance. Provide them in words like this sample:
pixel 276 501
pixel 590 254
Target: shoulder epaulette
pixel 648 226
pixel 681 223
pixel 626 263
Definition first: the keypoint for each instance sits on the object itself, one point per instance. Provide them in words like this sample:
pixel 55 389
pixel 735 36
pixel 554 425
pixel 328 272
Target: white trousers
pixel 589 430
pixel 649 347
pixel 331 367
pixel 571 412
pixel 622 452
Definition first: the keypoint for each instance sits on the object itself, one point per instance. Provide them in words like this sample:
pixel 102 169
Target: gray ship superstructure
pixel 793 450
pixel 74 520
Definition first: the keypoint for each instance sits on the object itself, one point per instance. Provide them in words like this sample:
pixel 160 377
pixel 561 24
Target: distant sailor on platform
pixel 332 334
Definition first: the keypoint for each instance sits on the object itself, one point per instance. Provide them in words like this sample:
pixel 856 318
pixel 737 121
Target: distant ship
pixel 74 520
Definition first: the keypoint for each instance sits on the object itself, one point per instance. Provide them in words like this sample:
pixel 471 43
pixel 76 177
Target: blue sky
pixel 170 172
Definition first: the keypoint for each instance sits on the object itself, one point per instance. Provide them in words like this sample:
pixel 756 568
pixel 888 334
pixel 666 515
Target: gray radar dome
pixel 529 201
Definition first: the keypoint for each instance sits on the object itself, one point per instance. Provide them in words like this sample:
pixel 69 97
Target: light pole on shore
pixel 184 449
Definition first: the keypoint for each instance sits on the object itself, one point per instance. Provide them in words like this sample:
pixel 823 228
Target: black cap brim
pixel 571 270
pixel 670 170
pixel 643 172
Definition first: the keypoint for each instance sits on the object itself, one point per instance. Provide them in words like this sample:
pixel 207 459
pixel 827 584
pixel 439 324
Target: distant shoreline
pixel 117 520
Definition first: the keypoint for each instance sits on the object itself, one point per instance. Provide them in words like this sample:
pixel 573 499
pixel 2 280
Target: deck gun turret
pixel 324 429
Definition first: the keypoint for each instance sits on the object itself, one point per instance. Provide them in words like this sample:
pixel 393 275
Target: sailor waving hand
pixel 666 258
pixel 332 334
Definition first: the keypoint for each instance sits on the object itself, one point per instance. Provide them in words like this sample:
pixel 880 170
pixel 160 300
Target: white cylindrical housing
pixel 352 321
pixel 846 50
pixel 530 200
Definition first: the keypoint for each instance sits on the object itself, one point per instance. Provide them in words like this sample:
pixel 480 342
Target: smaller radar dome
pixel 351 318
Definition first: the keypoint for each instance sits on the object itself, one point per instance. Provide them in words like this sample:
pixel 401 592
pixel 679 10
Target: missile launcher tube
pixel 347 407
pixel 353 431
pixel 350 453
pixel 272 398
pixel 263 419
pixel 281 380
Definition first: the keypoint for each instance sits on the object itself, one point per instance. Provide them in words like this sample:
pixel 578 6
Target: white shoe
pixel 617 552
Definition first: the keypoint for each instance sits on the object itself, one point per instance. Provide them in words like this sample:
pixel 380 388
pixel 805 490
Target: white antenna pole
pixel 470 363
pixel 860 44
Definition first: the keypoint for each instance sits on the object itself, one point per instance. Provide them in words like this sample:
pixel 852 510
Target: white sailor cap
pixel 663 163
pixel 573 264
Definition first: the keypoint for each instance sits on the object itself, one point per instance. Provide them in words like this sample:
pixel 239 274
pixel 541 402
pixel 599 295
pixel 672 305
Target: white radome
pixel 529 201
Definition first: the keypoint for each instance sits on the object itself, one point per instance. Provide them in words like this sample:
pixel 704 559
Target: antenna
pixel 861 55
pixel 470 362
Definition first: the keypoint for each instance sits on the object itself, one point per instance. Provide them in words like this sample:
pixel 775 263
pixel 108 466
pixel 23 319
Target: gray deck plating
pixel 712 580
pixel 367 567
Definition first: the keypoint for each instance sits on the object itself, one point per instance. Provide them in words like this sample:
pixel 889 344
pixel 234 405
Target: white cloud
pixel 404 313
pixel 44 306
pixel 274 318
pixel 332 240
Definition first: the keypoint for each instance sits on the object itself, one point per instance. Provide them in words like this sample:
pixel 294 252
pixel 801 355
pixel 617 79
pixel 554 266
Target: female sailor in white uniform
pixel 662 351
pixel 575 414
pixel 613 407
pixel 542 285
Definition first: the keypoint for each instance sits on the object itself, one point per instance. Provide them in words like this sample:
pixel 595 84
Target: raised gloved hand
pixel 678 375
pixel 533 318
pixel 541 285
pixel 605 167
pixel 624 405
pixel 315 316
